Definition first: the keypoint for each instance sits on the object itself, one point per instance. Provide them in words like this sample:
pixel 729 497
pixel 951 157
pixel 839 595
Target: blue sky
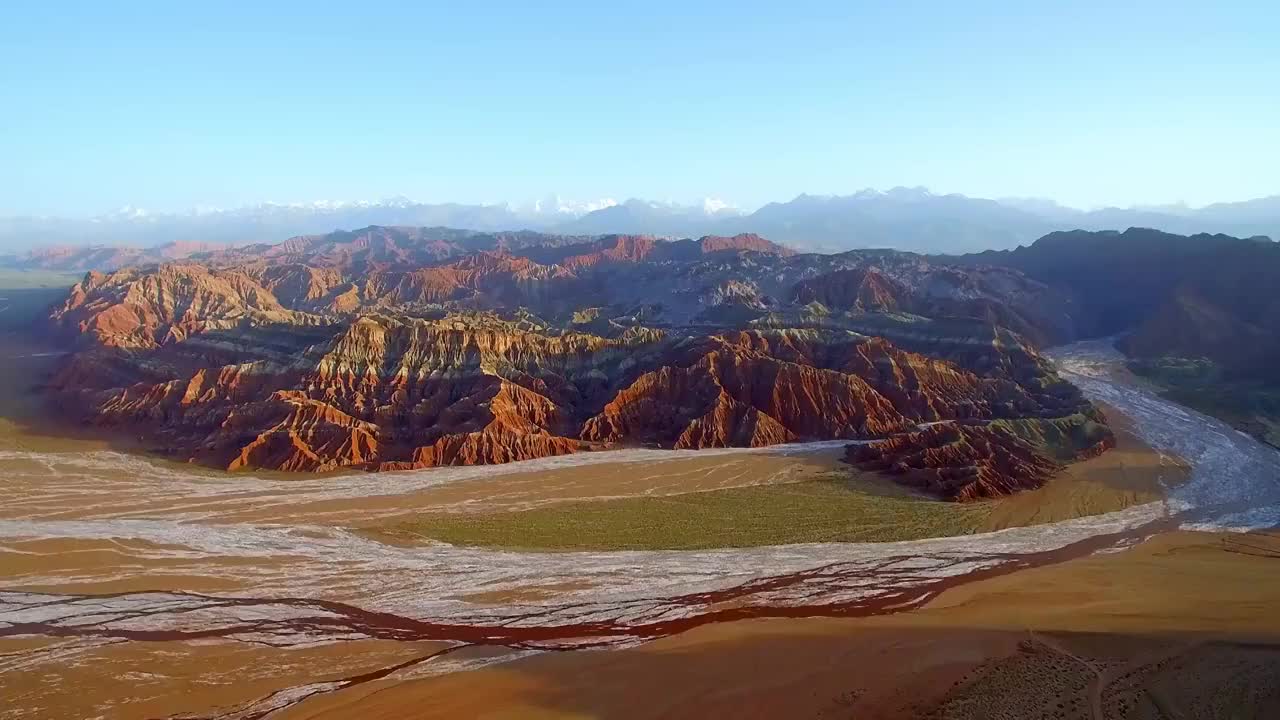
pixel 174 105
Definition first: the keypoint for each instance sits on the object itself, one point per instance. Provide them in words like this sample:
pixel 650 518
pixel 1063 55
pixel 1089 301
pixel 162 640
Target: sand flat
pixel 141 680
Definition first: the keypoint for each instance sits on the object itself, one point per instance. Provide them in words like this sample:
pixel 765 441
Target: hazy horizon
pixel 580 206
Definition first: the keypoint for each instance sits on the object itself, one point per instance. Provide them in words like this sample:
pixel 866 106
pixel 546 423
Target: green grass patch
pixel 835 509
pixel 1198 383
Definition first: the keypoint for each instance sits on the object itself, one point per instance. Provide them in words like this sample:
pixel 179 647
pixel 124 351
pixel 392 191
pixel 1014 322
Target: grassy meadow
pixel 837 508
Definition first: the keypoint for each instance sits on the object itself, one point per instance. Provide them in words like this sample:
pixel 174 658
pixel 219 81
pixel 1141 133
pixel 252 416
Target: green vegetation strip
pixel 828 510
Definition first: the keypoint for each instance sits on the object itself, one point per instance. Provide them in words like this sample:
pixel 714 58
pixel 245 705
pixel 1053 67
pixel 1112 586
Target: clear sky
pixel 174 105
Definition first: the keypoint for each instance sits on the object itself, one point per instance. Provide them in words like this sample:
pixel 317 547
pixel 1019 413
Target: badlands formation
pixel 394 348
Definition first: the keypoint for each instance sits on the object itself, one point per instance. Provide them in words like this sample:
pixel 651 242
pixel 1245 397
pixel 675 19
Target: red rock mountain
pixel 392 348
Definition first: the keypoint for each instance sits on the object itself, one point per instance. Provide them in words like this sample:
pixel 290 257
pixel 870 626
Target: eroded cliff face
pixel 963 462
pixel 388 349
pixel 960 462
pixel 134 308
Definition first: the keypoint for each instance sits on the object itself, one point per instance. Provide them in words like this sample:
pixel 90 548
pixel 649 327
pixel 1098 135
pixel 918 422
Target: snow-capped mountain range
pixel 902 218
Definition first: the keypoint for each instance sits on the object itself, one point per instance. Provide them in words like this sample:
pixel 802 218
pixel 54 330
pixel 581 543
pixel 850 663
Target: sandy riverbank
pixel 1175 607
pixel 1131 473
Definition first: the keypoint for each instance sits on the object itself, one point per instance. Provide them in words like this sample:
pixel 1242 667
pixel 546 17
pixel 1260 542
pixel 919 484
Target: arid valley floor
pixel 158 590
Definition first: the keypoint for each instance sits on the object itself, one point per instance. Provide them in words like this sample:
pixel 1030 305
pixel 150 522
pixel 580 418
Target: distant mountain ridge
pixel 911 219
pixel 1202 295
